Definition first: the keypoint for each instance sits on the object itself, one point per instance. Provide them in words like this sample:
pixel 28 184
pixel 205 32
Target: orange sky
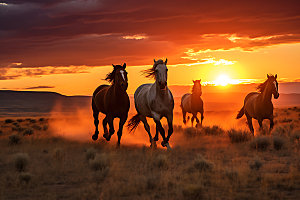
pixel 69 46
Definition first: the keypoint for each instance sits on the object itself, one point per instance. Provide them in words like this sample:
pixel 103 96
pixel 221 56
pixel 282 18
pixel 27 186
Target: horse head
pixel 197 90
pixel 161 73
pixel 118 76
pixel 272 80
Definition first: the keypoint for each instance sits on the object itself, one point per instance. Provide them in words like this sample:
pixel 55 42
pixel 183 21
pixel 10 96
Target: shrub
pixel 1 132
pixel 260 143
pixel 255 164
pixel 42 119
pixel 8 121
pixel 296 135
pixel 21 161
pixel 28 132
pixel 201 164
pixel 19 120
pixel 214 130
pixel 14 139
pixel 161 161
pixel 25 177
pixel 100 162
pixel 45 127
pixel 237 136
pixel 59 154
pixel 190 132
pixel 90 153
pixel 36 127
pixel 278 142
pixel 193 191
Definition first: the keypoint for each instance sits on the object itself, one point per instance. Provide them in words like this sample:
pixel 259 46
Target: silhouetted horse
pixel 192 103
pixel 154 101
pixel 258 105
pixel 113 101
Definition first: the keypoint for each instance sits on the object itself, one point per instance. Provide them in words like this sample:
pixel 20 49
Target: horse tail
pixel 241 113
pixel 133 122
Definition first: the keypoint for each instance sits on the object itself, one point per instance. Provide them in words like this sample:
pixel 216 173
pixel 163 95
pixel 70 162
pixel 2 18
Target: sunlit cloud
pixel 134 37
pixel 3 4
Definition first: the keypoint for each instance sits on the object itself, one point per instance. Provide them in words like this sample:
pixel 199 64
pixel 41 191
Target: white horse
pixel 154 101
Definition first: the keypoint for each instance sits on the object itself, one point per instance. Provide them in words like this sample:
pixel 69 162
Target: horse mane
pixel 110 77
pixel 261 87
pixel 150 73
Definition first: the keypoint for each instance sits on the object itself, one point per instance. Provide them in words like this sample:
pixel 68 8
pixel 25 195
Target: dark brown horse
pixel 113 101
pixel 258 105
pixel 192 103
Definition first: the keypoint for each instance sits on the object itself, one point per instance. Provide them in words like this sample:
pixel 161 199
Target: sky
pixel 68 46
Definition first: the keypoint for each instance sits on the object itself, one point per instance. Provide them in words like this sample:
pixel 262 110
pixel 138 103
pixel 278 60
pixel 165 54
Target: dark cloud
pixel 39 87
pixel 90 32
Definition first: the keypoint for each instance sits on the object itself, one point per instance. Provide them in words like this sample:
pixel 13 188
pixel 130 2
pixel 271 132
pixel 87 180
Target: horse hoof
pixel 163 144
pixel 95 137
pixel 106 136
pixel 155 139
pixel 168 146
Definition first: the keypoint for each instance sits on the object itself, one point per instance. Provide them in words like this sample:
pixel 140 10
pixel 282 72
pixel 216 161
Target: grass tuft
pixel 14 139
pixel 21 161
pixel 201 164
pixel 237 136
pixel 100 162
pixel 260 143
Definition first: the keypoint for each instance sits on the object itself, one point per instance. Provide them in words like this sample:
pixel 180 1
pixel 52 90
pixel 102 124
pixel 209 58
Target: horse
pixel 192 103
pixel 258 105
pixel 113 101
pixel 154 101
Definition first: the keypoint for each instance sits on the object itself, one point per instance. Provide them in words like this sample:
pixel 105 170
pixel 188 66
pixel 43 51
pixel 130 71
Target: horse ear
pixel 166 61
pixel 113 65
pixel 275 76
pixel 154 60
pixel 268 76
pixel 200 80
pixel 194 81
pixel 124 65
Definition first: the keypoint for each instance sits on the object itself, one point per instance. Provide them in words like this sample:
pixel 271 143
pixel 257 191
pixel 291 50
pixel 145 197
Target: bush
pixel 90 153
pixel 237 136
pixel 28 132
pixel 8 121
pixel 161 161
pixel 214 130
pixel 190 132
pixel 260 143
pixel 278 142
pixel 21 161
pixel 201 164
pixel 59 154
pixel 296 135
pixel 100 162
pixel 255 164
pixel 193 191
pixel 14 139
pixel 19 120
pixel 25 177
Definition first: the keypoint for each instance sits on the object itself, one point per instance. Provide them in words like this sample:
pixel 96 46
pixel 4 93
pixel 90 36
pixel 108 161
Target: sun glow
pixel 222 80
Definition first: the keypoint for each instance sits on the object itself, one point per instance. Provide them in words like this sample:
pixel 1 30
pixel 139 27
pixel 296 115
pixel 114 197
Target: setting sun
pixel 222 80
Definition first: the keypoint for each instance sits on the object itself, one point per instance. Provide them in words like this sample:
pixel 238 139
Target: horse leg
pixel 156 118
pixel 111 127
pixel 96 122
pixel 121 124
pixel 271 124
pixel 104 124
pixel 156 135
pixel 184 116
pixel 249 120
pixel 147 128
pixel 202 117
pixel 197 120
pixel 170 126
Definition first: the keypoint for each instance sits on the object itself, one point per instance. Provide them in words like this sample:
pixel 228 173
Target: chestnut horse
pixel 113 101
pixel 192 103
pixel 258 105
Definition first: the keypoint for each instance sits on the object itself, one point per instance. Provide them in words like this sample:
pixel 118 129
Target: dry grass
pixel 205 164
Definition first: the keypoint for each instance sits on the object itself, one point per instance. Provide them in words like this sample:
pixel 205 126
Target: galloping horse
pixel 192 103
pixel 113 101
pixel 154 101
pixel 258 105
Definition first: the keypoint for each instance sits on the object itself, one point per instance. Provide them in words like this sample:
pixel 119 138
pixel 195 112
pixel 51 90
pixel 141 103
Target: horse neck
pixel 117 90
pixel 266 94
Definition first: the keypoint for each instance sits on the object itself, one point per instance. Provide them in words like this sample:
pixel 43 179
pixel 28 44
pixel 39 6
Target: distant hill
pixel 31 103
pixel 24 103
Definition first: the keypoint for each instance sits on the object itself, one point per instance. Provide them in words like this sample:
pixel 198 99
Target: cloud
pixel 38 87
pixel 96 33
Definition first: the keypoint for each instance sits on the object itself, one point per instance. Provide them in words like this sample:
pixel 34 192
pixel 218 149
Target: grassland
pixel 211 162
